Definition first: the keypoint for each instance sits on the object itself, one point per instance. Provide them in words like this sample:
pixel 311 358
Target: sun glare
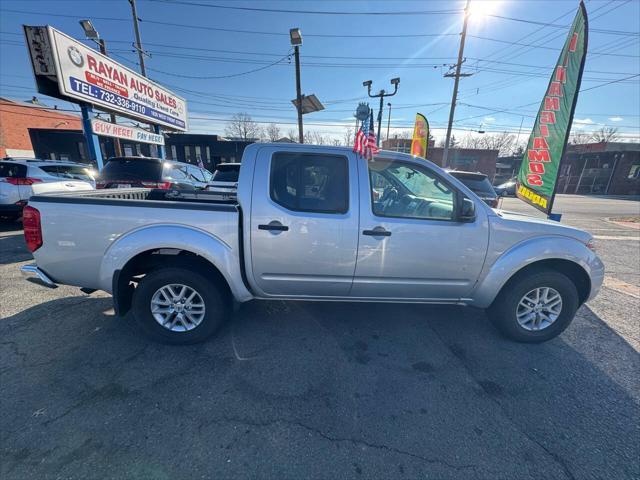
pixel 480 9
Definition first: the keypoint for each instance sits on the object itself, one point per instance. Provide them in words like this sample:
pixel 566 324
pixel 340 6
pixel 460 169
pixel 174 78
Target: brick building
pixel 468 159
pixel 593 168
pixel 17 118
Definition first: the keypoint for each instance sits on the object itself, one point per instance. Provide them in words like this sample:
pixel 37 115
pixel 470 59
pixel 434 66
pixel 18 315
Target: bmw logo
pixel 75 56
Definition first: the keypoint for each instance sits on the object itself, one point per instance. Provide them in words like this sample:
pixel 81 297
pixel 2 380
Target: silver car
pixel 21 177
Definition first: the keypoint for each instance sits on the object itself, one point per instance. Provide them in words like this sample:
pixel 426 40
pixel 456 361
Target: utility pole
pixel 457 75
pixel 143 70
pixel 395 82
pixel 388 119
pixel 136 30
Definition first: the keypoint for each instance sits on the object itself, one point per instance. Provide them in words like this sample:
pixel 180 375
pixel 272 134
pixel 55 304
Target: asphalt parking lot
pixel 324 390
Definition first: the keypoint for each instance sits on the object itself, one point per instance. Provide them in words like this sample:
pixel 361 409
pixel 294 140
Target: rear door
pixel 304 222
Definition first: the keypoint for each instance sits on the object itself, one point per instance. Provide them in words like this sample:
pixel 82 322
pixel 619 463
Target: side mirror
pixel 467 211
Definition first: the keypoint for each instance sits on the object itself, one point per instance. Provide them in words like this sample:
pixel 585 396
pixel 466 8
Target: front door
pixel 304 223
pixel 411 246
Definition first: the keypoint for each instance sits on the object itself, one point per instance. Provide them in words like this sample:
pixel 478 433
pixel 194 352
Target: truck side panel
pixel 78 234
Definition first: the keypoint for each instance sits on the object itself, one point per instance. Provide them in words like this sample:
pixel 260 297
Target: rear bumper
pixel 33 271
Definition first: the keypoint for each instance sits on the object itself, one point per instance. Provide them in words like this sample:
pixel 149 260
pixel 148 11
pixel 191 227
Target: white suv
pixel 22 177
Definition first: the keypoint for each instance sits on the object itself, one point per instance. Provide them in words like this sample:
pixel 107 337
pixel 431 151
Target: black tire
pixel 214 297
pixel 503 310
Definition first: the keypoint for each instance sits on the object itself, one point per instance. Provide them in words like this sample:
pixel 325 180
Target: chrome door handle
pixel 377 232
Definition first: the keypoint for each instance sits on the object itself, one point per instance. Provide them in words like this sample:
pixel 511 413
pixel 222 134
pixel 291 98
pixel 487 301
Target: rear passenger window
pixel 12 170
pixel 310 182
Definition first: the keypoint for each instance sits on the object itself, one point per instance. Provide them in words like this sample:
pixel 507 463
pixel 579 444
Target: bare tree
pixel 347 137
pixel 472 141
pixel 243 127
pixel 503 142
pixel 579 138
pixel 605 134
pixel 273 132
pixel 292 135
pixel 453 143
pixel 316 138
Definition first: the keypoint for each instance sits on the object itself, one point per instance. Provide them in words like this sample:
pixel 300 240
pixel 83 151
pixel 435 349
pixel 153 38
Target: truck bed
pixel 80 230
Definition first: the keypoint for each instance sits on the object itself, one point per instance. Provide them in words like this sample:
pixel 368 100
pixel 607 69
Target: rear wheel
pixel 535 307
pixel 178 305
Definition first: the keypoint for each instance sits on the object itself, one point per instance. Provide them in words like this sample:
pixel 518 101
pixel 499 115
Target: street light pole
pixel 296 52
pixel 454 97
pixel 296 40
pixel 381 95
pixel 388 119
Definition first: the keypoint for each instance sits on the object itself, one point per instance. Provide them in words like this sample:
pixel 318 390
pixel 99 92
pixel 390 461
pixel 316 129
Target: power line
pixel 565 27
pixel 308 12
pixel 217 77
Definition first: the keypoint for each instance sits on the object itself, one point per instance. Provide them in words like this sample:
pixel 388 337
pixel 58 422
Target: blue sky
pixel 334 63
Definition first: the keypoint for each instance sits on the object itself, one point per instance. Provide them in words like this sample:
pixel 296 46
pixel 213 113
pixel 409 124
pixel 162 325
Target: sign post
pixel 93 142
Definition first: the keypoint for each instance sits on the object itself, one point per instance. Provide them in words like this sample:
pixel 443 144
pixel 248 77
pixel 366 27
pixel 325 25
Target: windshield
pixel 75 172
pixel 132 169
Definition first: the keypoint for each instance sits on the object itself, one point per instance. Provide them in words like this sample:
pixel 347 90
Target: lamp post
pixel 388 119
pixel 381 94
pixel 91 33
pixel 296 40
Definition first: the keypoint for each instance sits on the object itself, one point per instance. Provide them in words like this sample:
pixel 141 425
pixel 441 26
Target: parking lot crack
pixel 336 439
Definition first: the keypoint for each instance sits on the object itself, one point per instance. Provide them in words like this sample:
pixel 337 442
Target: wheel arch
pixel 149 247
pixel 561 254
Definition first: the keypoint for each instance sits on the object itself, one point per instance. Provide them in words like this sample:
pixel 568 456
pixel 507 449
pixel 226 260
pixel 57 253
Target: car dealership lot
pixel 324 390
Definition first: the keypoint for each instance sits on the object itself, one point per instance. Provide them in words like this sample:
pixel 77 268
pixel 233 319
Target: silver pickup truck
pixel 312 223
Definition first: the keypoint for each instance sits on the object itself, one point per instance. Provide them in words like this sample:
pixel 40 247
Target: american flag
pixel 365 142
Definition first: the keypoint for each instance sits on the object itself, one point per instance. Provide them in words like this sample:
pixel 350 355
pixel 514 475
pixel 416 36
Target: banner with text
pixel 538 175
pixel 420 140
pixel 88 76
pixel 108 129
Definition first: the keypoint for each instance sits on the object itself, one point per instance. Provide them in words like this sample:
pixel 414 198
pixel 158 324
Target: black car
pixel 479 184
pixel 130 172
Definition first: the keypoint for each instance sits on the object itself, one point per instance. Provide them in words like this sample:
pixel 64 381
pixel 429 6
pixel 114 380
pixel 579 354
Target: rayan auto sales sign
pixel 88 76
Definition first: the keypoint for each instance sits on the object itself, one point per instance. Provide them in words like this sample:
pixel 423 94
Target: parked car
pixel 225 179
pixel 19 177
pixel 479 184
pixel 306 226
pixel 506 189
pixel 148 172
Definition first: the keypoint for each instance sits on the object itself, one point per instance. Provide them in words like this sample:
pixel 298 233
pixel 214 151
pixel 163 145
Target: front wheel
pixel 180 306
pixel 535 307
